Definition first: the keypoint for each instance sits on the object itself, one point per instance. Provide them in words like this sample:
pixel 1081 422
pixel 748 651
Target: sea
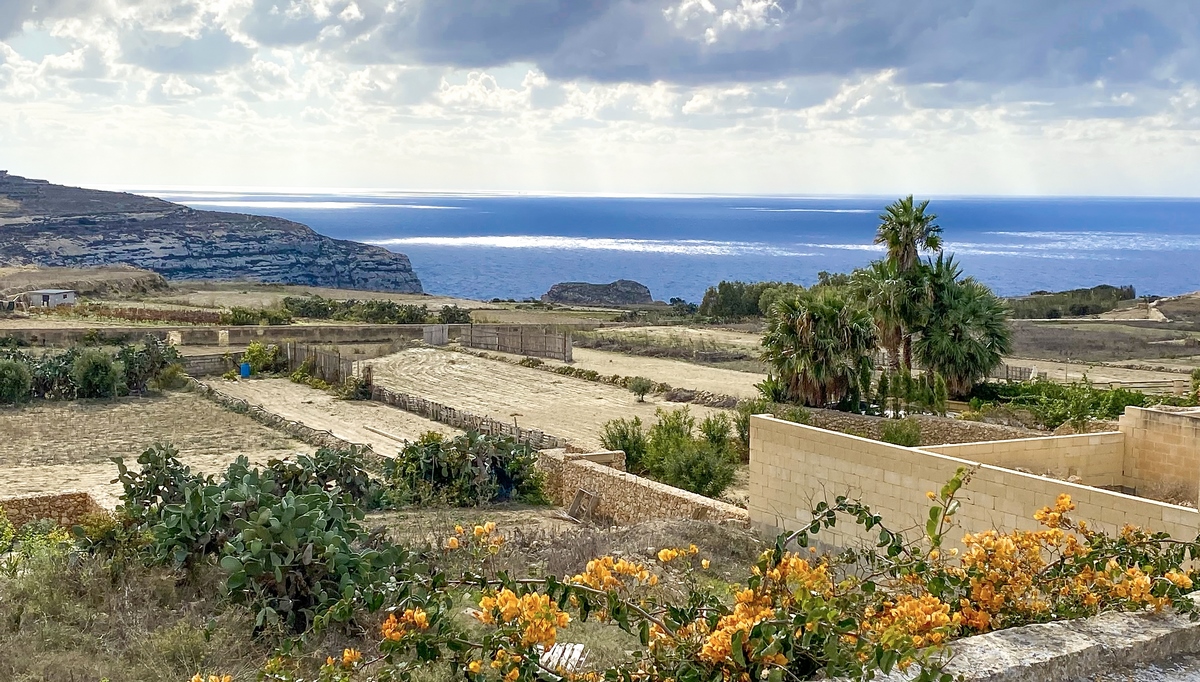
pixel 485 246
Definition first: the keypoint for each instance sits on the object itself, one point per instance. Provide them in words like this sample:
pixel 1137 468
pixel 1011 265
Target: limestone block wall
pixel 626 498
pixel 1162 452
pixel 793 466
pixel 1097 459
pixel 65 509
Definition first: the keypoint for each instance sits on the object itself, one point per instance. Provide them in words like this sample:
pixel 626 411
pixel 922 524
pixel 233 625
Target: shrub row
pixel 88 372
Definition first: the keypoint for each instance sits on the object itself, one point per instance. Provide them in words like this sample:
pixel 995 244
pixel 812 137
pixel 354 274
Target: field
pixel 50 446
pixel 345 419
pixel 562 406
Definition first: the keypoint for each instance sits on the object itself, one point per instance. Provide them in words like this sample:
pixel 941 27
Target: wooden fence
pixel 325 364
pixel 1006 372
pixel 461 419
pixel 539 342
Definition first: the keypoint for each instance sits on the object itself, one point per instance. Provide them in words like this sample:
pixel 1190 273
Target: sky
pixel 941 97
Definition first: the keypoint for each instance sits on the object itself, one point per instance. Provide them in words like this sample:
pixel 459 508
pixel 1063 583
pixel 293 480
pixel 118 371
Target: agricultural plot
pixel 50 446
pixel 346 419
pixel 562 406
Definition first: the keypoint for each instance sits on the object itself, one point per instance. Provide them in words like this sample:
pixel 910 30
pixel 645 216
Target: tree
pixel 907 230
pixel 820 344
pixel 640 386
pixel 889 296
pixel 963 332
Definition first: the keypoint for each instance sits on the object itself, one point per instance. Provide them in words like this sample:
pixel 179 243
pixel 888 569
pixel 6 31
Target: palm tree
pixel 820 345
pixel 963 330
pixel 887 294
pixel 907 230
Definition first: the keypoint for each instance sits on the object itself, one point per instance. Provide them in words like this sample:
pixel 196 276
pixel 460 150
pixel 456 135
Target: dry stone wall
pixel 65 509
pixel 625 498
pixel 467 421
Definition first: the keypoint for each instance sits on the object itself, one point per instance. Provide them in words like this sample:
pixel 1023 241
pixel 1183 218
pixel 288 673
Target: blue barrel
pixel 245 370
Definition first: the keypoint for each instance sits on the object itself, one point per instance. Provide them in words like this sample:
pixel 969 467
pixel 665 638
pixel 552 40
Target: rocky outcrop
pixel 51 225
pixel 620 292
pixel 118 280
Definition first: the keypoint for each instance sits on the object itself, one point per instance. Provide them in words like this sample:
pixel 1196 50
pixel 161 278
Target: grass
pixel 1102 341
pixel 698 350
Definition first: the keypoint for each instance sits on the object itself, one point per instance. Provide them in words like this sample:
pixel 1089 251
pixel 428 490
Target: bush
pixel 531 362
pixel 354 388
pixel 627 436
pixel 640 386
pixel 171 378
pixel 265 358
pixel 699 467
pixel 452 314
pixel 1196 384
pixel 773 389
pixel 906 432
pixel 96 375
pixel 241 317
pixel 469 470
pixel 15 382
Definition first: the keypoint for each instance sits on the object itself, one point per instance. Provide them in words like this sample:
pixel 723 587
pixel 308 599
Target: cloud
pixel 210 51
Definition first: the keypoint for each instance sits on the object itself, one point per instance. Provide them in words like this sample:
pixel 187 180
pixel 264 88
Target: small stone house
pixel 50 298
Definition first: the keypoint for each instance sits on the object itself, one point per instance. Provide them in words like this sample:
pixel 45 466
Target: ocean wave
pixel 692 247
pixel 324 205
pixel 1049 240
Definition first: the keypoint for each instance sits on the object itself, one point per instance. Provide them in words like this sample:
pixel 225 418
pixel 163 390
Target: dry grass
pixel 1102 341
pixel 52 446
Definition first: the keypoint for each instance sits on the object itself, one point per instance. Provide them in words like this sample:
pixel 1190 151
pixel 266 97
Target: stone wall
pixel 1162 452
pixel 1097 459
pixel 65 509
pixel 627 499
pixel 934 430
pixel 209 364
pixel 467 421
pixel 792 467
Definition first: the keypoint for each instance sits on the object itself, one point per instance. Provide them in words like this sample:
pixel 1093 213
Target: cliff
pixel 55 226
pixel 620 292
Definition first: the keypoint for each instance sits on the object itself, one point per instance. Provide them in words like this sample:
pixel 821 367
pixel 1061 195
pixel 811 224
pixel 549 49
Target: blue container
pixel 245 370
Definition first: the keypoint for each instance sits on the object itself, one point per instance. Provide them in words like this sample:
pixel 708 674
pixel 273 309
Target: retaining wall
pixel 65 509
pixel 793 466
pixel 625 498
pixel 209 364
pixel 1097 459
pixel 1162 451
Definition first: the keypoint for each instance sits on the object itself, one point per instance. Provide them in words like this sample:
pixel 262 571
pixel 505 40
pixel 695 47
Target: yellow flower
pixel 692 549
pixel 930 495
pixel 452 543
pixel 351 656
pixel 667 555
pixel 512 675
pixel 458 530
pixel 479 531
pixel 475 666
pixel 704 563
pixel 328 661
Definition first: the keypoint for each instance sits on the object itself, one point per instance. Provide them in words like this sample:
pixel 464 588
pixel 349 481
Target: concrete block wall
pixel 65 509
pixel 626 498
pixel 1096 458
pixel 792 467
pixel 1162 452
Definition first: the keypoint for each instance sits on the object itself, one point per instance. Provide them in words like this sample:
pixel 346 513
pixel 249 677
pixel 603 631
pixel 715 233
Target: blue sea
pixel 515 246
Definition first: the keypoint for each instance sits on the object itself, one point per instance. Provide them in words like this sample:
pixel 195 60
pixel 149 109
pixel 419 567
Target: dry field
pixel 1097 374
pixel 711 336
pixel 48 446
pixel 563 406
pixel 251 295
pixel 677 373
pixel 345 419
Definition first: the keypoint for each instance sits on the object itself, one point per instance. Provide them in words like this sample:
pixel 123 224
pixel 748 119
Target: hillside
pixel 55 226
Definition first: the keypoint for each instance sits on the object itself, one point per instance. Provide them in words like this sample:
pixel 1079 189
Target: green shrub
pixel 171 378
pixel 354 388
pixel 905 432
pixel 16 382
pixel 265 358
pixel 531 362
pixel 142 365
pixel 716 429
pixel 627 436
pixel 773 389
pixel 699 466
pixel 241 317
pixel 1196 384
pixel 640 386
pixel 96 375
pixel 469 470
pixel 452 314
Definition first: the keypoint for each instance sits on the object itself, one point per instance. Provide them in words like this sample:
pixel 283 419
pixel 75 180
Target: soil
pixel 56 446
pixel 562 406
pixel 346 419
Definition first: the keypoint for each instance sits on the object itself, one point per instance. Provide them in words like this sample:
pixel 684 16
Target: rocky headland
pixel 620 292
pixel 55 226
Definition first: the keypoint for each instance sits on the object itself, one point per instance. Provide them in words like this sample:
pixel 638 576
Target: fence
pixel 466 421
pixel 1011 373
pixel 327 365
pixel 540 342
pixel 1167 386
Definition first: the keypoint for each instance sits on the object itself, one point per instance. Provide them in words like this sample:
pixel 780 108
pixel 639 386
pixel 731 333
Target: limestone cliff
pixel 620 292
pixel 56 226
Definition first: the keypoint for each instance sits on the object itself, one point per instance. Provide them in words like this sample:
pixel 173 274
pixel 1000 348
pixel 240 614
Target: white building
pixel 50 298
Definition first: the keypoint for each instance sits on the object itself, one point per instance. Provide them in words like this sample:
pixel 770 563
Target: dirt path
pixel 346 419
pixel 48 446
pixel 563 406
pixel 677 373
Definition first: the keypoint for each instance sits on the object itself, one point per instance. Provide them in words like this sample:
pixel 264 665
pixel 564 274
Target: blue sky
pixel 623 96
